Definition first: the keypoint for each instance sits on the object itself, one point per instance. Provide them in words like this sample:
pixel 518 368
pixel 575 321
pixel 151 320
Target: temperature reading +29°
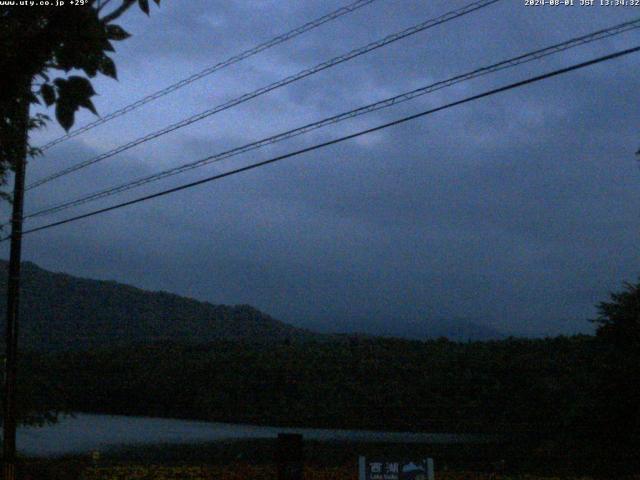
pixel 46 3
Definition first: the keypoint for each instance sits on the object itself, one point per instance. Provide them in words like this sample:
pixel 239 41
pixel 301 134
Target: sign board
pixel 392 469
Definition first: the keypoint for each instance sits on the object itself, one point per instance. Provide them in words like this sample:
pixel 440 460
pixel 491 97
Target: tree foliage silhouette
pixel 40 46
pixel 619 319
pixel 617 406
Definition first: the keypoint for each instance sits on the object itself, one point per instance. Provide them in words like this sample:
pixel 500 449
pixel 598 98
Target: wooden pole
pixel 290 456
pixel 13 288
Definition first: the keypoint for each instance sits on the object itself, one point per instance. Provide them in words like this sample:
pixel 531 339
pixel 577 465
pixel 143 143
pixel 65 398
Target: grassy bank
pixel 254 459
pixel 241 471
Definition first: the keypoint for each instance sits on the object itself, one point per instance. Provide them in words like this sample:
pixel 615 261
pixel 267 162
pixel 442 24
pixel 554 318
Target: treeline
pixel 511 385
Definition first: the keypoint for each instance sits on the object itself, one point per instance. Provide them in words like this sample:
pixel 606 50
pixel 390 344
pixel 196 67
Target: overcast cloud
pixel 518 211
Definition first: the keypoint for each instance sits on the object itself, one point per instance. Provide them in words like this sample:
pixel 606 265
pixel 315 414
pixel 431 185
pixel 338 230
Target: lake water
pixel 86 432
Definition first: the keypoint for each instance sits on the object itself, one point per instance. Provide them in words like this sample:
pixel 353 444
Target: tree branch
pixel 126 4
pixel 101 4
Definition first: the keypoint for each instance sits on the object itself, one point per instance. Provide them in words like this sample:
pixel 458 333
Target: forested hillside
pixel 62 312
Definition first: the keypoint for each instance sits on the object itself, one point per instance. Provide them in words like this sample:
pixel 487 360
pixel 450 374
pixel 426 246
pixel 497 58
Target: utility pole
pixel 13 286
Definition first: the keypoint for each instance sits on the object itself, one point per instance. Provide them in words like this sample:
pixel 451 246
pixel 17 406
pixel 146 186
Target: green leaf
pixel 88 104
pixel 144 6
pixel 90 63
pixel 108 67
pixel 107 47
pixel 48 94
pixel 64 114
pixel 78 87
pixel 73 93
pixel 117 33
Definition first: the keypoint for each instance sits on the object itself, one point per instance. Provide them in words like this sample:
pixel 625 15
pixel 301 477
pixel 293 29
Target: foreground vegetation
pixel 255 460
pixel 268 472
pixel 239 471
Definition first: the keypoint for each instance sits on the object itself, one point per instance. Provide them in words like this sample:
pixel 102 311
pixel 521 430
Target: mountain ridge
pixel 63 312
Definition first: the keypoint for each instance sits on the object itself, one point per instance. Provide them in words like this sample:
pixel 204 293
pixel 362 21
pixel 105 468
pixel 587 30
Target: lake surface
pixel 86 432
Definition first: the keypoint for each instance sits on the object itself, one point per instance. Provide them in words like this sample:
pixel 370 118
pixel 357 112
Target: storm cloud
pixel 519 211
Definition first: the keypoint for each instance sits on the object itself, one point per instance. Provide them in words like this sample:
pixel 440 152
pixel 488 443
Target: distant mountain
pixel 455 329
pixel 62 312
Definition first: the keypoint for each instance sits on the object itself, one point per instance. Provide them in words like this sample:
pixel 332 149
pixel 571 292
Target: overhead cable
pixel 212 69
pixel 477 5
pixel 388 102
pixel 336 140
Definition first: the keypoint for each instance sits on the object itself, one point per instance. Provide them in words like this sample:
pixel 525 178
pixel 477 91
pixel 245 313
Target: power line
pixel 273 86
pixel 388 102
pixel 214 68
pixel 337 140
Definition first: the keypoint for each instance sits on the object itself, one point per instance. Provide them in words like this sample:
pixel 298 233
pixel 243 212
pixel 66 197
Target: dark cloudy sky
pixel 519 211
